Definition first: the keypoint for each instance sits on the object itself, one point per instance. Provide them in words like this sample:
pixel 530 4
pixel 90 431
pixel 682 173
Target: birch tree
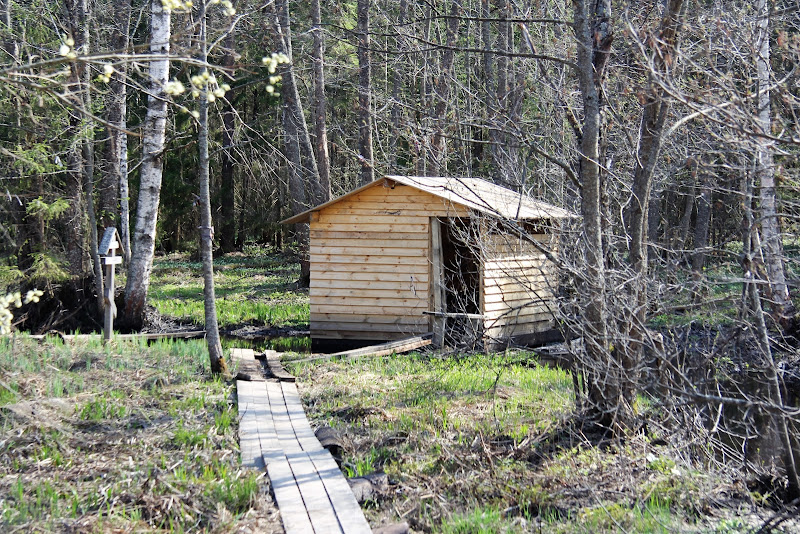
pixel 151 169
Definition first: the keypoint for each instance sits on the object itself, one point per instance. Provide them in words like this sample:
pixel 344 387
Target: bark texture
pixel 153 136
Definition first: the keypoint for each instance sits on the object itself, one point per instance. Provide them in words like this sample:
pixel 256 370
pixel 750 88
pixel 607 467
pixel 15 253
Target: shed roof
pixel 475 193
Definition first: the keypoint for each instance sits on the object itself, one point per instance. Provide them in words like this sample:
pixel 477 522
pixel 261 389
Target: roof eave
pixel 306 215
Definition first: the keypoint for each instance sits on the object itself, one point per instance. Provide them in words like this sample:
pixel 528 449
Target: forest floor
pixel 133 437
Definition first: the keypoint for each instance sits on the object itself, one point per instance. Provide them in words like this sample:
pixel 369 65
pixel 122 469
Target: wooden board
pixel 364 335
pixel 420 286
pixel 367 233
pixel 311 493
pixel 319 326
pixel 315 497
pixel 384 228
pixel 406 344
pixel 288 498
pixel 370 293
pixel 403 320
pixel 276 368
pixel 369 259
pixel 351 517
pixel 248 366
pixel 371 308
pixel 345 270
pixel 368 220
pixel 394 250
pixel 418 243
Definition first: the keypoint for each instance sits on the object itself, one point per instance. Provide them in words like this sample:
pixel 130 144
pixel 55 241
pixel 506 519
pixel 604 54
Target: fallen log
pixel 384 349
pixel 125 337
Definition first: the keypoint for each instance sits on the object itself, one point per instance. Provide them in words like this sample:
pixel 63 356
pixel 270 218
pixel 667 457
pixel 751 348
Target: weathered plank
pixel 371 259
pixel 126 337
pixel 344 502
pixel 366 233
pixel 366 308
pixel 315 497
pixel 276 368
pixel 370 249
pixel 388 271
pixel 288 497
pixel 377 282
pixel 302 429
pixel 420 327
pixel 248 367
pixel 385 229
pixel 251 392
pixel 405 292
pixel 414 320
pixel 392 347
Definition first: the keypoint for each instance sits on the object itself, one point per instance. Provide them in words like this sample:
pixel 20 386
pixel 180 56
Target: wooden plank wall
pixel 370 265
pixel 519 285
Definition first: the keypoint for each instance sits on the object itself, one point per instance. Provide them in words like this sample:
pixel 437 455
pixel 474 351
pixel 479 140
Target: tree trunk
pixel 320 103
pixel 701 226
pixel 772 246
pixel 751 306
pixel 215 354
pixel 397 80
pixel 76 242
pixel 602 371
pixel 364 94
pixel 654 115
pixel 153 136
pixel 489 156
pixel 441 91
pixel 303 176
pixel 228 185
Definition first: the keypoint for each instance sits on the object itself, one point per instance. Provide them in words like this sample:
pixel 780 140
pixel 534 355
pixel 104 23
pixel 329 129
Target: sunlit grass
pixel 255 289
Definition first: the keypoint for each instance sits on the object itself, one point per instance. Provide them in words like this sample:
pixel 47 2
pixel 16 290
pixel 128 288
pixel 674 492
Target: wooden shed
pixel 460 257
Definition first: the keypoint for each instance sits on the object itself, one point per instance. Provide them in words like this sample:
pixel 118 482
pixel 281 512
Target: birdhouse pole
pixel 107 250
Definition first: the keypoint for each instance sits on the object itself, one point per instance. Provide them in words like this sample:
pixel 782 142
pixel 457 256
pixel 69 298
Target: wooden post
pixel 107 249
pixel 437 280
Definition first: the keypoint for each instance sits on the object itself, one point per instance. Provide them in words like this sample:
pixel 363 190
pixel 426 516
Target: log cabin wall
pixel 370 263
pixel 519 287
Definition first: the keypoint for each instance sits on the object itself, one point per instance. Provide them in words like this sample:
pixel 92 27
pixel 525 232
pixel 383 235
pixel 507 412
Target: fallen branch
pixel 385 349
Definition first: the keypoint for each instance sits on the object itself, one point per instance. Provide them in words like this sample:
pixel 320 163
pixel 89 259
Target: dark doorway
pixel 460 278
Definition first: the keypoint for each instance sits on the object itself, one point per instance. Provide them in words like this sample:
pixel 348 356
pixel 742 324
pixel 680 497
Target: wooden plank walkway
pixel 248 367
pixel 310 490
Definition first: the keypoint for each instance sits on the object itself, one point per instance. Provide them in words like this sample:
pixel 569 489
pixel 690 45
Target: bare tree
pixel 215 354
pixel 320 103
pixel 772 244
pixel 364 94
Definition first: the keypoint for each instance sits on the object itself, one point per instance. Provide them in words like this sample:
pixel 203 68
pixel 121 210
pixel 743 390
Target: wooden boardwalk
pixel 310 490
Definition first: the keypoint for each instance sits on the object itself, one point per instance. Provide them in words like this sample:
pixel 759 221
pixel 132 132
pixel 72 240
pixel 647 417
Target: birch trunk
pixel 153 134
pixel 320 103
pixel 772 246
pixel 364 94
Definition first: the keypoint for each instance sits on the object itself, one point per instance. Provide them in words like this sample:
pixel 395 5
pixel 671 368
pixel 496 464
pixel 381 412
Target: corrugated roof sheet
pixel 474 193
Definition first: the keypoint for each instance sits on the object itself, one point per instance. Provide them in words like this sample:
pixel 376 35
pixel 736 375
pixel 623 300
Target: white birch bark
pixel 772 246
pixel 141 263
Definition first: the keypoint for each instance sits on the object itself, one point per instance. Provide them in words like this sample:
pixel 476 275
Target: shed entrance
pixel 458 318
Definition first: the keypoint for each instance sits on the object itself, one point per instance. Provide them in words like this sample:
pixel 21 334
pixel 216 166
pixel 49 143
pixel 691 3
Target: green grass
pixel 254 289
pixel 141 438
